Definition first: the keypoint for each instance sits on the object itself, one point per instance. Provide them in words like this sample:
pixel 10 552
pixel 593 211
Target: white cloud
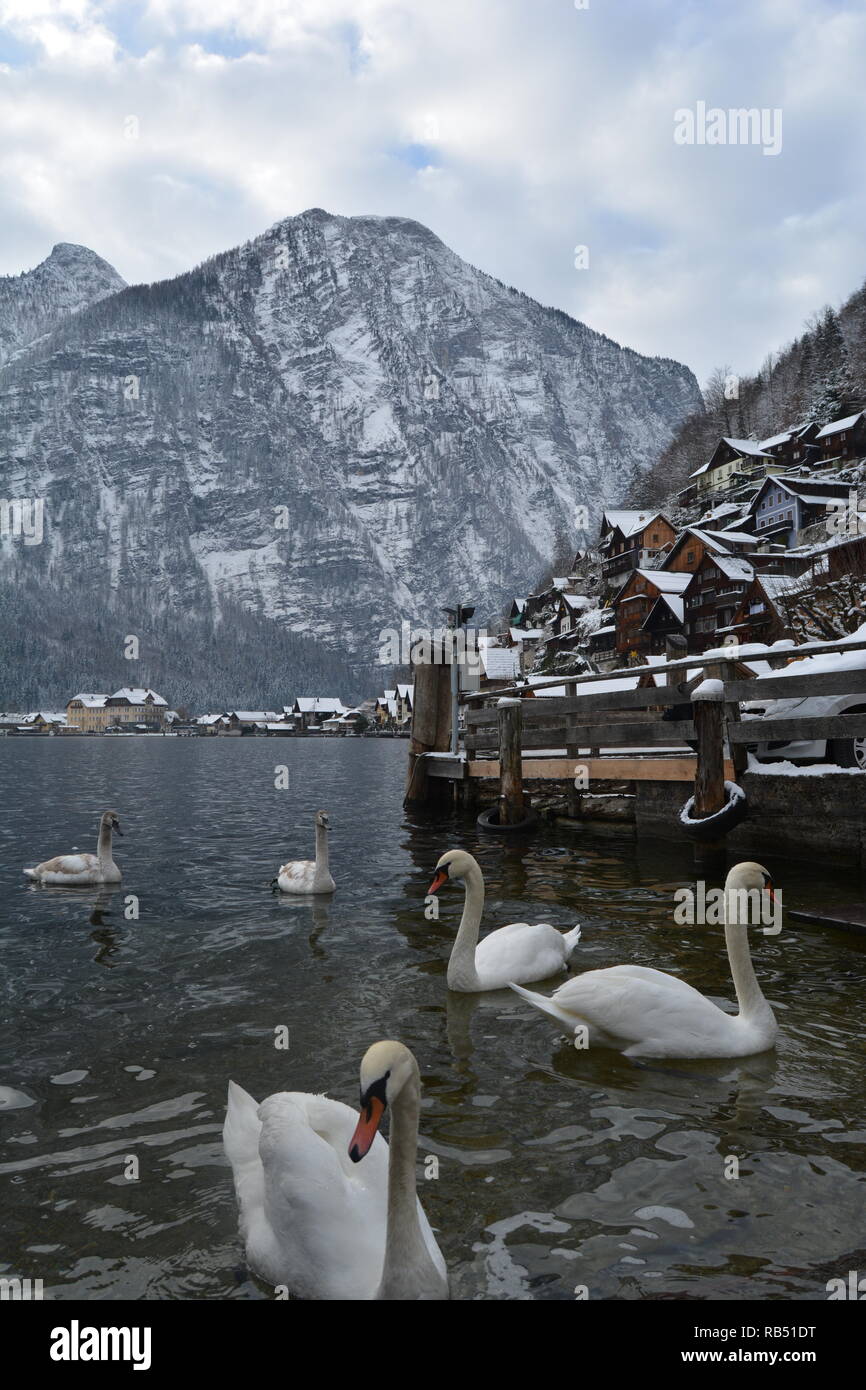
pixel 534 127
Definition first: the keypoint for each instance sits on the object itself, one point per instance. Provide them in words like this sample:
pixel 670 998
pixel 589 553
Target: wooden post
pixel 431 729
pixel 511 807
pixel 710 795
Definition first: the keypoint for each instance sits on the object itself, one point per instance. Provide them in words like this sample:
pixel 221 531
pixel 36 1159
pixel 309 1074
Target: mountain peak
pixel 70 279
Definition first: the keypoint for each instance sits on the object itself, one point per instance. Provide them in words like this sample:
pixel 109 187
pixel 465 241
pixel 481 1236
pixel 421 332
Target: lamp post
pixel 456 618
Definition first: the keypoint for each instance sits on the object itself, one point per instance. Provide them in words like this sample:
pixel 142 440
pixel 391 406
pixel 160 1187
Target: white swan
pixel 516 952
pixel 70 869
pixel 307 875
pixel 646 1013
pixel 314 1222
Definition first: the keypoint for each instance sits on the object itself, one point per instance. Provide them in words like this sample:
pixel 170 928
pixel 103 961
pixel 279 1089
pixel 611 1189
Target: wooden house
pixel 734 462
pixel 844 440
pixel 794 448
pixel 310 711
pixel 631 540
pixel 692 544
pixel 664 619
pixel 761 615
pixel 783 507
pixel 633 604
pixel 715 591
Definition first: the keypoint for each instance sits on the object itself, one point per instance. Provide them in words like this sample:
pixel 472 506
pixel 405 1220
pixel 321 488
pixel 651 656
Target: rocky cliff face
pixel 337 426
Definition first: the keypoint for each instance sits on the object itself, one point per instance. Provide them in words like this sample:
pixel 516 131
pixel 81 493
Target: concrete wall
pixel 797 815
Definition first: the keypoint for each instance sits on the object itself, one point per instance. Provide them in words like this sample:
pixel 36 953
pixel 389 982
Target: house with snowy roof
pixel 136 705
pixel 714 593
pixel 630 540
pixel 634 601
pixel 88 712
pixel 762 613
pixel 498 665
pixel 733 463
pixel 793 448
pixel 783 506
pixel 843 441
pixel 250 721
pixel 310 711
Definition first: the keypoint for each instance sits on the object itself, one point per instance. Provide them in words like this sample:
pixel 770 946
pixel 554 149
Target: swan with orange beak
pixel 328 1209
pixel 519 951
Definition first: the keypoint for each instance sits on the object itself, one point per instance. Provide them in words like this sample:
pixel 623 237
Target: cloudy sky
pixel 160 131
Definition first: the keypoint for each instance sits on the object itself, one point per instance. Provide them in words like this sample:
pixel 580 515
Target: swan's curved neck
pixel 406 1255
pixel 103 846
pixel 321 850
pixel 749 995
pixel 461 966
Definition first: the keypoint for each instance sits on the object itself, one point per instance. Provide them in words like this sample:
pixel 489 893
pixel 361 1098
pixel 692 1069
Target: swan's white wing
pixel 69 864
pixel 644 1011
pixel 519 952
pixel 312 1220
pixel 297 876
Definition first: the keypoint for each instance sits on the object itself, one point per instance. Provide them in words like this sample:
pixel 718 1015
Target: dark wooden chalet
pixel 634 602
pixel 630 541
pixel 844 440
pixel 714 593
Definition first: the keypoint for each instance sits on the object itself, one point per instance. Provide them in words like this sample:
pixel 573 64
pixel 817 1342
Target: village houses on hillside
pixel 768 523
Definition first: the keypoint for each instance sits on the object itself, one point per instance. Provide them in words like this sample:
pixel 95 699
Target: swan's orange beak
pixel 441 877
pixel 365 1130
pixel 770 894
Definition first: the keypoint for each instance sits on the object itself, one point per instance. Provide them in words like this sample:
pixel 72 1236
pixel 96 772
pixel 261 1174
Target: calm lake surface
pixel 557 1168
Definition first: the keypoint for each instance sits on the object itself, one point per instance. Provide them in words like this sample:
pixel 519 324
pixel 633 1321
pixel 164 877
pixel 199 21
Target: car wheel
pixel 848 752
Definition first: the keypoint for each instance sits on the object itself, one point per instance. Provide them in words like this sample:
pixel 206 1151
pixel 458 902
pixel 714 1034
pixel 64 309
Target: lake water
pixel 557 1168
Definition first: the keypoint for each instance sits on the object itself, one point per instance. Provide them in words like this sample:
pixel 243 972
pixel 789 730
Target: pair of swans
pixel 633 1009
pixel 308 875
pixel 328 1210
pixel 71 869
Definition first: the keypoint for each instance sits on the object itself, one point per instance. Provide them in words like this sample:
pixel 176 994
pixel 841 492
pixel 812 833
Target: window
pixel 690 555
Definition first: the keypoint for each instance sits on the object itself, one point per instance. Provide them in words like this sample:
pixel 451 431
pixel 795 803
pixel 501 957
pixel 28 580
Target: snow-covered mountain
pixel 34 302
pixel 338 426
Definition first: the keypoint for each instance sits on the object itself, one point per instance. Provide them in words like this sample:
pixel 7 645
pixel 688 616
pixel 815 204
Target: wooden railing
pixel 623 735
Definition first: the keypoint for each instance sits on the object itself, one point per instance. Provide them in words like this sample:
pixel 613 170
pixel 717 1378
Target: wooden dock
pixel 517 735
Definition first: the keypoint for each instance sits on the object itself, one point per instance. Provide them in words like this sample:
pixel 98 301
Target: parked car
pixel 845 752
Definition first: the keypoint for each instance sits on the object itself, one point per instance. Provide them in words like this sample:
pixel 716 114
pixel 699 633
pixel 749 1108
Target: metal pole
pixel 455 689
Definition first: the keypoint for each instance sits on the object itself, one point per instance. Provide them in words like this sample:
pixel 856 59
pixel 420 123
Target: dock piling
pixel 511 805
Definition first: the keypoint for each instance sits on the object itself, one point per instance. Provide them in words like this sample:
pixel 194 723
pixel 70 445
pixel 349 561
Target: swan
pixel 307 875
pixel 646 1013
pixel 83 868
pixel 312 1221
pixel 516 952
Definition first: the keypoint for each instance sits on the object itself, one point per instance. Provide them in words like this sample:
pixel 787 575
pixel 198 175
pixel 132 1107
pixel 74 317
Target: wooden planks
pixel 617 769
pixel 797 687
pixel 576 704
pixel 668 735
pixel 796 730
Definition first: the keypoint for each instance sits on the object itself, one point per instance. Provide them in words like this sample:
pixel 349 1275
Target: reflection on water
pixel 558 1169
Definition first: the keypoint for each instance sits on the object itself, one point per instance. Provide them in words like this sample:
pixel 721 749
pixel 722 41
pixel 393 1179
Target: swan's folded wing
pixel 297 870
pixel 325 1216
pixel 634 1003
pixel 520 951
pixel 68 864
